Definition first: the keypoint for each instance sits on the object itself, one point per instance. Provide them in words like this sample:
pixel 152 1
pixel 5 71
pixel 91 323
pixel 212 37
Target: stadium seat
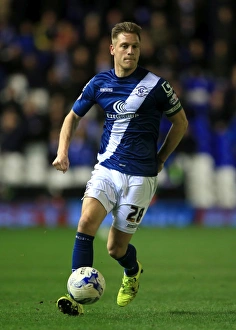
pixel 200 181
pixel 56 180
pixel 225 179
pixel 36 164
pixel 81 175
pixel 12 169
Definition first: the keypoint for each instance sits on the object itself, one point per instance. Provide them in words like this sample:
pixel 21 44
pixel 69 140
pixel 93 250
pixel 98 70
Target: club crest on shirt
pixel 141 91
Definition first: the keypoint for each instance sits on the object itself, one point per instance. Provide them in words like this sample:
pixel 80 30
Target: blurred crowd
pixel 50 49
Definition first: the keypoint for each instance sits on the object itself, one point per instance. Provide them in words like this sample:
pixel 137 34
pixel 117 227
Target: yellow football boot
pixel 129 288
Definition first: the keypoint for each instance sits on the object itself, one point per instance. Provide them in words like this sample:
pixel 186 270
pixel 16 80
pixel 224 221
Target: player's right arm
pixel 70 124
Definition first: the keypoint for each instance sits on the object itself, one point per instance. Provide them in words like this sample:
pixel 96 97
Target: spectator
pixel 12 132
pixel 56 50
pixel 35 122
pixel 32 70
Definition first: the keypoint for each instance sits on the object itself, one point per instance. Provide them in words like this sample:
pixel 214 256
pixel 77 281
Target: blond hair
pixel 125 27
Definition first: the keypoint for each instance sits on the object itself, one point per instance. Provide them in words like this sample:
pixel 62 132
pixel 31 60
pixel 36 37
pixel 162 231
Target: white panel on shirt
pixel 129 108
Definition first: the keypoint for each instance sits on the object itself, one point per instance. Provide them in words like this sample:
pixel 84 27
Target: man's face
pixel 126 52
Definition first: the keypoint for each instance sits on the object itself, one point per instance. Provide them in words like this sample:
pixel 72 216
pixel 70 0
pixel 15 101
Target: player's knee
pixel 87 225
pixel 115 251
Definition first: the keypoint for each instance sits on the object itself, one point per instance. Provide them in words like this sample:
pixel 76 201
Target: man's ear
pixel 112 49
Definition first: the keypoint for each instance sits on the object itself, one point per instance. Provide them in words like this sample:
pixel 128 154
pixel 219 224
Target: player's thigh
pixel 92 214
pixel 102 188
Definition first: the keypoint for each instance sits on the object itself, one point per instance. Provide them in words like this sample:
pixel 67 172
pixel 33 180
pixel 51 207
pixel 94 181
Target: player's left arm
pixel 173 137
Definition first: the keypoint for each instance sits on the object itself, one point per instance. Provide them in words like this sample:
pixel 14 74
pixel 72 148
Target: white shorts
pixel 126 196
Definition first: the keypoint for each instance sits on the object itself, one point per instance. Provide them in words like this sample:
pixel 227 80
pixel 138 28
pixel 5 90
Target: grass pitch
pixel 188 281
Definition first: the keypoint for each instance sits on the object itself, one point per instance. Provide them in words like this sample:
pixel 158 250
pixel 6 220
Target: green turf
pixel 189 281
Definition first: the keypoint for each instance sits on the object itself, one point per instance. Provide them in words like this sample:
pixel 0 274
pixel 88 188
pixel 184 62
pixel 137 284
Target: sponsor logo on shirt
pixel 127 115
pixel 119 106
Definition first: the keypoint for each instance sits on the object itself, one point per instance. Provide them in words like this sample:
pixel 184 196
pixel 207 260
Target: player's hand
pixel 61 163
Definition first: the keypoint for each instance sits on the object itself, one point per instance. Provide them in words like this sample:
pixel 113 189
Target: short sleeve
pixel 86 100
pixel 170 102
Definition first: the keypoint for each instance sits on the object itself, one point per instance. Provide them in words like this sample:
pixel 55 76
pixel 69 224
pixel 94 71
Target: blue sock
pixel 83 251
pixel 129 261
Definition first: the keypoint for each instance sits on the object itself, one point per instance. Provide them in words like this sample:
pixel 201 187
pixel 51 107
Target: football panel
pixel 86 285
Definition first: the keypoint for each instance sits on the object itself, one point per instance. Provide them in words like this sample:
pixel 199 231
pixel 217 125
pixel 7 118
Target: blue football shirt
pixel 133 108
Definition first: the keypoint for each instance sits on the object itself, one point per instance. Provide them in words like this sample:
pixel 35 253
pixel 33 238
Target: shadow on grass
pixel 201 312
pixel 153 314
